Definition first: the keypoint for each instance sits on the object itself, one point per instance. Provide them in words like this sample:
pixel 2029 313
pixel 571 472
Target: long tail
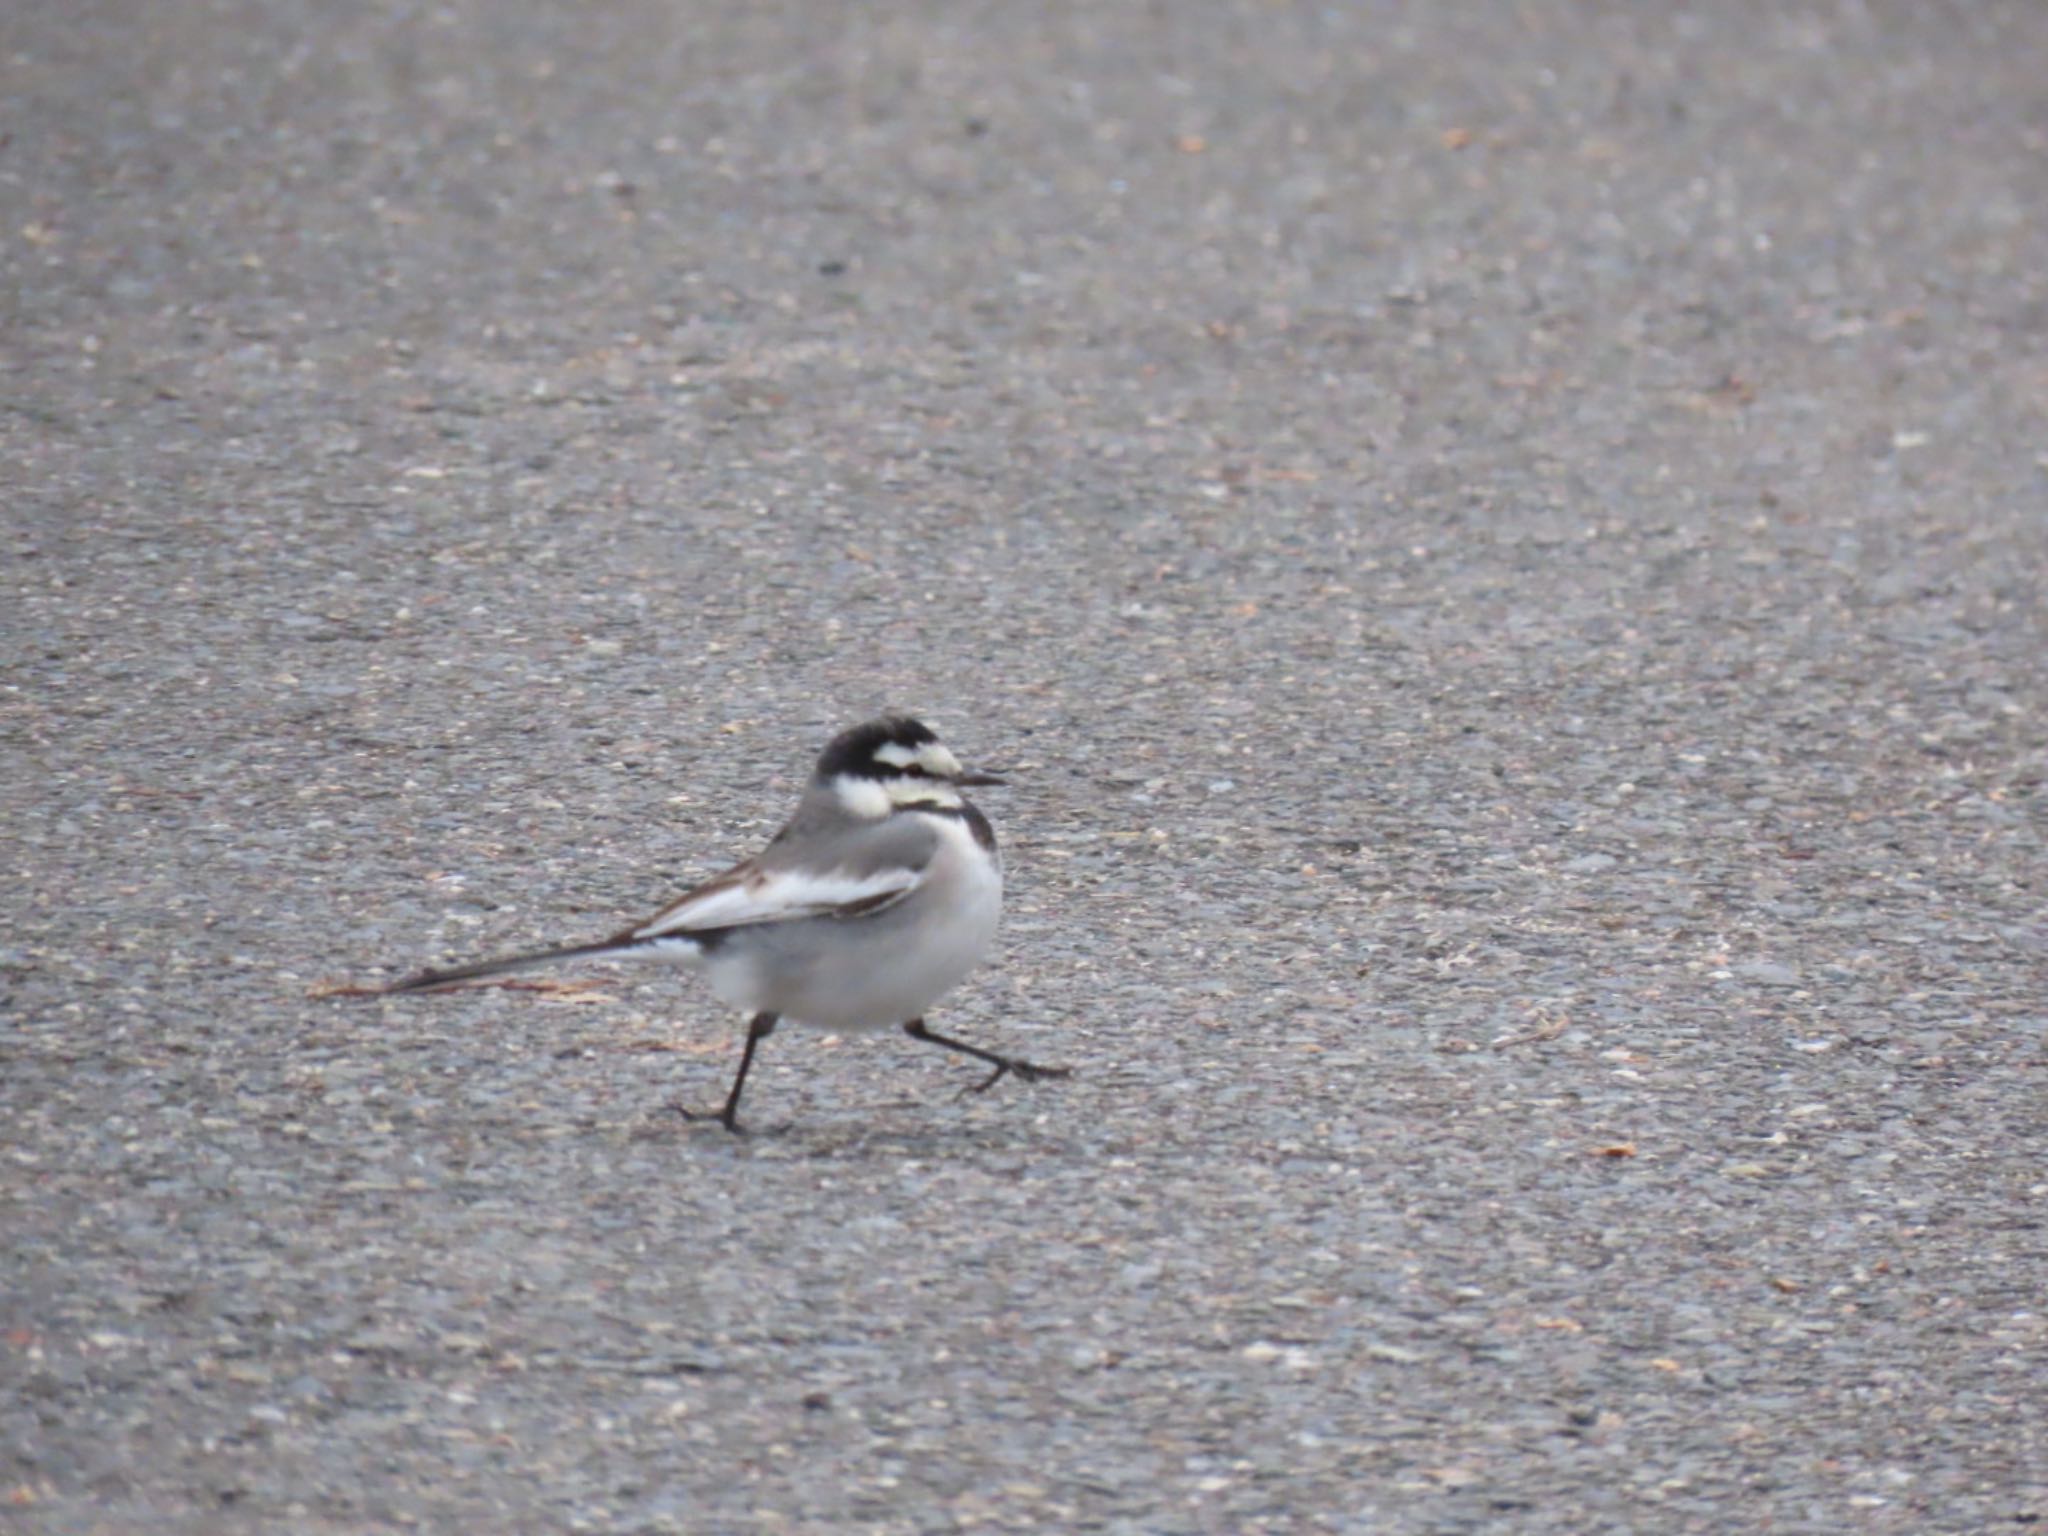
pixel 427 980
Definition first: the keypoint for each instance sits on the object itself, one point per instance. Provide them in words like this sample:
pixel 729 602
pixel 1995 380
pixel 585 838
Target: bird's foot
pixel 724 1117
pixel 1025 1072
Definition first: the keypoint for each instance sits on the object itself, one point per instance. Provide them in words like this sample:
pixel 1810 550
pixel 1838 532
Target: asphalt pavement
pixel 1501 545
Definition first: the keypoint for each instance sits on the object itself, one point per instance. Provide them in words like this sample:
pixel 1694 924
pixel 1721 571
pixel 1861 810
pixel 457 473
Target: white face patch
pixel 932 757
pixel 936 760
pixel 866 798
pixel 920 792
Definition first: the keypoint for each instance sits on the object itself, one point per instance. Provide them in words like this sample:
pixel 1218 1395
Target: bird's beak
pixel 974 780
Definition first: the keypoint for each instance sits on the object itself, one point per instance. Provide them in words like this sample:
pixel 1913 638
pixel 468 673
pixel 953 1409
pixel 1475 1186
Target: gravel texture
pixel 1504 545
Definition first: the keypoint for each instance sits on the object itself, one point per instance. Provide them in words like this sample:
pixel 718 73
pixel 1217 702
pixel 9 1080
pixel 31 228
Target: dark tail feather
pixel 426 981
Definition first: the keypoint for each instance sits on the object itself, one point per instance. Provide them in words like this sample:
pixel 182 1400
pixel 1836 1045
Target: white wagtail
pixel 880 895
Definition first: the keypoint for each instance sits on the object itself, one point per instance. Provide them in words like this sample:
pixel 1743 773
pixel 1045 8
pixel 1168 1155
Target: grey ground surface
pixel 1503 543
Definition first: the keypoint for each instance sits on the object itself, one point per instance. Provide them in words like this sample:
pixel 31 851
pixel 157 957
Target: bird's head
pixel 891 762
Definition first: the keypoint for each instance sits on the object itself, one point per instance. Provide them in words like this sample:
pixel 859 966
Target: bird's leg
pixel 759 1029
pixel 1002 1064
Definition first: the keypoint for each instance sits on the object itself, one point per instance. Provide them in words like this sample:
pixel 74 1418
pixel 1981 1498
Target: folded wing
pixel 867 870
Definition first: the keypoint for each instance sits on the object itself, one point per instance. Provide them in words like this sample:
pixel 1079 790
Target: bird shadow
pixel 869 1134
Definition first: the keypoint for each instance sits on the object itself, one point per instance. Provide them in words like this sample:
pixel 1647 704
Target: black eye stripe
pixel 876 769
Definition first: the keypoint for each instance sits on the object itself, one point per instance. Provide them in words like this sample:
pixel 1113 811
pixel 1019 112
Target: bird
pixel 876 898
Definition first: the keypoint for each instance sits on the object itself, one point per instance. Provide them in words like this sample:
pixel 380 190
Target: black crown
pixel 853 751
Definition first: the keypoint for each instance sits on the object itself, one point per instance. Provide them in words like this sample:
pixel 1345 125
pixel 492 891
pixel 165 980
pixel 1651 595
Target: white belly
pixel 871 972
